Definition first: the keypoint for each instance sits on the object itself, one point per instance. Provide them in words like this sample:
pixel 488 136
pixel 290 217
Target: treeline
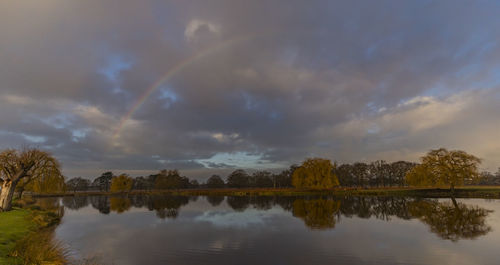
pixel 375 174
pixel 314 173
pixel 171 179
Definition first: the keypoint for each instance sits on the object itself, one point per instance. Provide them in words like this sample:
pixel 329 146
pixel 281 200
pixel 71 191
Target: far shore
pixel 486 192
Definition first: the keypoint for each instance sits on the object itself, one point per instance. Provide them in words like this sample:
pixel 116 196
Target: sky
pixel 209 86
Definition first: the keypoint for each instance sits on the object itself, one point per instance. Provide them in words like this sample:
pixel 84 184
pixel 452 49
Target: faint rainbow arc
pixel 174 70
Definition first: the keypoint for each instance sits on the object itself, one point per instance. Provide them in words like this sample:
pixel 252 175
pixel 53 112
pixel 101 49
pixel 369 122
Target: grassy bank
pixel 26 236
pixel 14 225
pixel 461 192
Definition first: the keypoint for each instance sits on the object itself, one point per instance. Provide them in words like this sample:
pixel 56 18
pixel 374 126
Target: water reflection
pixel 447 219
pixel 119 204
pixel 451 221
pixel 317 213
pixel 215 200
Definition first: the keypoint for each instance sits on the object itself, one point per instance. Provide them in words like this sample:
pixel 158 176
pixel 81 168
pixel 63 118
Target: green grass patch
pixel 26 234
pixel 14 226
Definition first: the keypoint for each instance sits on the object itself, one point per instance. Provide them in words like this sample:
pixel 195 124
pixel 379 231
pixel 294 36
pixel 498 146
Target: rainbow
pixel 172 72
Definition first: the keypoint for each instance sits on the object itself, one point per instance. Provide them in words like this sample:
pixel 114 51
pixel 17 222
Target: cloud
pixel 198 29
pixel 321 78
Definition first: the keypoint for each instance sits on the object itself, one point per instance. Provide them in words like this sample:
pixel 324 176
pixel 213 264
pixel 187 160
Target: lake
pixel 280 230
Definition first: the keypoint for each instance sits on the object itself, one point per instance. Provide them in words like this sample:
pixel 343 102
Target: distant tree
pixel 443 167
pixel 262 179
pixel 194 184
pixel 238 179
pixel 215 182
pixel 345 174
pixel 141 183
pixel 122 183
pixel 103 182
pixel 379 173
pixel 30 163
pixel 315 173
pixel 360 172
pixel 399 170
pixel 171 179
pixel 284 178
pixel 488 178
pixel 78 184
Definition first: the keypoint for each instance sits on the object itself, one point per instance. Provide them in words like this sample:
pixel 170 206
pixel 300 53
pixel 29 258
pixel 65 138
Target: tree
pixel 379 173
pixel 400 169
pixel 30 163
pixel 141 183
pixel 315 173
pixel 78 184
pixel 194 184
pixel 284 178
pixel 262 179
pixel 50 182
pixel 345 175
pixel 122 183
pixel 170 179
pixel 238 179
pixel 103 182
pixel 360 171
pixel 215 182
pixel 443 167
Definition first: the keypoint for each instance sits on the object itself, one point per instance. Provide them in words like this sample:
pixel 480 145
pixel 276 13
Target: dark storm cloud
pixel 348 80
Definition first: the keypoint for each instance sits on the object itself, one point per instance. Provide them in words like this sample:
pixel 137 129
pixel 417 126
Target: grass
pixel 460 192
pixel 14 225
pixel 26 235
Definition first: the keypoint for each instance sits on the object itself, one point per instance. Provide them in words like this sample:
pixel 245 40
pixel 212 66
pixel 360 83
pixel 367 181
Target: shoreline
pixel 27 236
pixel 486 192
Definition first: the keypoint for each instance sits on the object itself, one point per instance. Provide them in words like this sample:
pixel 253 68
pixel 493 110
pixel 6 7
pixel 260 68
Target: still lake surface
pixel 281 230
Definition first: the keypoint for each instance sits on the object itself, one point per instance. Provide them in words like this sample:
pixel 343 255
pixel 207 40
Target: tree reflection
pixel 449 220
pixel 262 202
pixel 238 203
pixel 317 213
pixel 119 204
pixel 453 221
pixel 101 203
pixel 215 200
pixel 75 202
pixel 167 206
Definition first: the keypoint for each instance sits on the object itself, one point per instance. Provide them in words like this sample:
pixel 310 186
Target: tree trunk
pixel 452 189
pixel 6 195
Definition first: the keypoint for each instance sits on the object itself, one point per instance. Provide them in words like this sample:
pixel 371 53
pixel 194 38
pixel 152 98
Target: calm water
pixel 281 230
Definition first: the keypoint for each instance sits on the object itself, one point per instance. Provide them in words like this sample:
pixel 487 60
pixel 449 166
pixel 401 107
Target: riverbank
pixel 14 225
pixel 487 192
pixel 26 236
